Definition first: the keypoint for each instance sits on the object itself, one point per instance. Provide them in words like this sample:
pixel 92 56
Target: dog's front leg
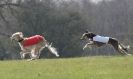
pixel 88 45
pixel 22 54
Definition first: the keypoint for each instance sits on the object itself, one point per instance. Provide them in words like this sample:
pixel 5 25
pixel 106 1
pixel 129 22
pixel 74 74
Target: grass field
pixel 100 67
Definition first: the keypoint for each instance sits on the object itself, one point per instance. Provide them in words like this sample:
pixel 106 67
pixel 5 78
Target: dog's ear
pixel 21 34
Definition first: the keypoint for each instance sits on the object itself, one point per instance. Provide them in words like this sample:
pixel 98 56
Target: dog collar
pixel 20 40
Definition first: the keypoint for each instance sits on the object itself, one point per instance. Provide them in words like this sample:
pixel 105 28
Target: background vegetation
pixel 63 22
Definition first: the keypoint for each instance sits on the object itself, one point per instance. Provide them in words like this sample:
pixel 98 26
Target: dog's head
pixel 88 35
pixel 84 35
pixel 17 36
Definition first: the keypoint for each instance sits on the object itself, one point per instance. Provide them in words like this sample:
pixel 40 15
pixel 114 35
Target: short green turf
pixel 95 67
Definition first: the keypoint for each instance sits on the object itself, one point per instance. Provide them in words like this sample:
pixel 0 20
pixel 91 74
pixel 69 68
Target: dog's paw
pixel 57 55
pixel 128 47
pixel 30 59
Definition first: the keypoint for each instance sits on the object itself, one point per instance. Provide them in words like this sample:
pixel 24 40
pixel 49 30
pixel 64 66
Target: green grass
pixel 101 67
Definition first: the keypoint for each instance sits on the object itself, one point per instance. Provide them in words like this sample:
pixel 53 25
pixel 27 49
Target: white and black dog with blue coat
pixel 98 41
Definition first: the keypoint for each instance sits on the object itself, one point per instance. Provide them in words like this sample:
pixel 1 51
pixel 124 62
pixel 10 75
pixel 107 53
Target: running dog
pixel 98 41
pixel 32 45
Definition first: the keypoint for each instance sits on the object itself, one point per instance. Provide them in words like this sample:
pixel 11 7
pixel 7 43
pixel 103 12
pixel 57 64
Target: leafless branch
pixel 8 4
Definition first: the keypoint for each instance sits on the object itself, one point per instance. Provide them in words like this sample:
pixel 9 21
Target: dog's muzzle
pixel 12 39
pixel 82 38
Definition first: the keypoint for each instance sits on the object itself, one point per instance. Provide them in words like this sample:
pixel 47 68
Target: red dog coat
pixel 32 40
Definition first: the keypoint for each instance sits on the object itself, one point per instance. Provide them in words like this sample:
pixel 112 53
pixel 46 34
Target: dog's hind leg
pixel 33 55
pixel 116 45
pixel 119 48
pixel 124 49
pixel 38 52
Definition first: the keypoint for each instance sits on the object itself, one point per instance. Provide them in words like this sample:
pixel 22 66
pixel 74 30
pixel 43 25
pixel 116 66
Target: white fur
pixel 33 50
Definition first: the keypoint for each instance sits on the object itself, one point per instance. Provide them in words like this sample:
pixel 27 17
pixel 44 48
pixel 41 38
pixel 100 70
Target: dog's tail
pixel 52 49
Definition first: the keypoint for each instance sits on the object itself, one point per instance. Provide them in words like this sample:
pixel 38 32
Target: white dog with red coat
pixel 32 45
